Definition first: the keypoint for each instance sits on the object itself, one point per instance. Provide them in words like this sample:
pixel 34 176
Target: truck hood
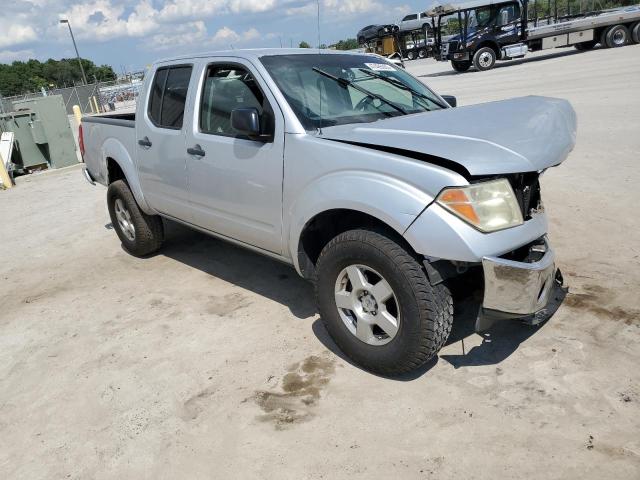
pixel 510 136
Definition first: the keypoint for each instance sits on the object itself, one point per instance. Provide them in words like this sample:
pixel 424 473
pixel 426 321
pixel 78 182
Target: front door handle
pixel 196 150
pixel 145 142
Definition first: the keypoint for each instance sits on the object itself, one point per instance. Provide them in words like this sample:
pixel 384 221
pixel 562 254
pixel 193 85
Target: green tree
pixel 29 76
pixel 348 44
pixel 304 44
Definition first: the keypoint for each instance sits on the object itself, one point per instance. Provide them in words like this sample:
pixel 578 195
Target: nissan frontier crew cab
pixel 365 180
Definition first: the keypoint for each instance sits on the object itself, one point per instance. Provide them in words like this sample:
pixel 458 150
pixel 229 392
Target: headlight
pixel 488 206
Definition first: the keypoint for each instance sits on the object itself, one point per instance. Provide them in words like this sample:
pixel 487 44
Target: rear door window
pixel 168 96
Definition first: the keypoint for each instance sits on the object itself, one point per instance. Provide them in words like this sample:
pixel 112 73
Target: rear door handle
pixel 196 150
pixel 145 142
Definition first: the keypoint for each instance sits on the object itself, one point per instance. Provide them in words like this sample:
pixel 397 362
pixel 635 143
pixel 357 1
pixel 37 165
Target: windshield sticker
pixel 380 67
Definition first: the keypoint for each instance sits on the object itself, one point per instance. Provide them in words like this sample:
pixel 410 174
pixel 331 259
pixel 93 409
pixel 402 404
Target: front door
pixel 508 24
pixel 160 141
pixel 235 182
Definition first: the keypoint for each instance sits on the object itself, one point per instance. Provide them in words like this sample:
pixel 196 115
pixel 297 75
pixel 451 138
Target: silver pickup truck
pixel 366 181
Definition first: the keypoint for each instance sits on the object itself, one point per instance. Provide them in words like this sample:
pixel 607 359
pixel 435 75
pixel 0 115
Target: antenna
pixel 319 80
pixel 318 2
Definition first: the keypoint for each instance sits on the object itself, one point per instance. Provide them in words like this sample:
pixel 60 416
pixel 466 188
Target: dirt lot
pixel 207 361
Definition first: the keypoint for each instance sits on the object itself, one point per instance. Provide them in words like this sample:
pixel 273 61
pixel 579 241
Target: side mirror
pixel 450 99
pixel 246 121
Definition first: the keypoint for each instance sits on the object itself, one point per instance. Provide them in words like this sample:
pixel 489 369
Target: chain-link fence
pixel 93 98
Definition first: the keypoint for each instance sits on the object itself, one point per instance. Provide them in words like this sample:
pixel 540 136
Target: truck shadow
pixel 239 266
pixel 280 283
pixel 510 63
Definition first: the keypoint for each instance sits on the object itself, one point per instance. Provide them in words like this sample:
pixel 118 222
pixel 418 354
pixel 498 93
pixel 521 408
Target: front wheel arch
pixel 325 226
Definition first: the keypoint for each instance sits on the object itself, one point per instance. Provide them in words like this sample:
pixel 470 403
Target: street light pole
pixel 76 47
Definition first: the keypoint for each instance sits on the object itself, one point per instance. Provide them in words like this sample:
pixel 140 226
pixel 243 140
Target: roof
pixel 255 53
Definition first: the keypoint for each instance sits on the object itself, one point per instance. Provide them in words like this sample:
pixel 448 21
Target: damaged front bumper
pixel 523 285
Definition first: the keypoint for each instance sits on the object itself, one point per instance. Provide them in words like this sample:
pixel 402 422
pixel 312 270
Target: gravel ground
pixel 207 361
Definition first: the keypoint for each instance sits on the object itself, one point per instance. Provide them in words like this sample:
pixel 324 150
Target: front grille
pixel 527 190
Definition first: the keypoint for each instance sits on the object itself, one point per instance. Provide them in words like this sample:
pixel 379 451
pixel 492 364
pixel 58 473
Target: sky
pixel 130 34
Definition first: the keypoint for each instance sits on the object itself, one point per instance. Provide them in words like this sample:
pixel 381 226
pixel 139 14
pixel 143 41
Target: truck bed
pixel 601 19
pixel 113 133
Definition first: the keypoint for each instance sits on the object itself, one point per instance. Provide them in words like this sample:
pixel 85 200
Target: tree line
pixel 348 44
pixel 23 77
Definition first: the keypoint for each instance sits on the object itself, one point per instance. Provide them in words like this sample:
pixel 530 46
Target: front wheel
pixel 484 59
pixel 140 234
pixel 461 66
pixel 377 304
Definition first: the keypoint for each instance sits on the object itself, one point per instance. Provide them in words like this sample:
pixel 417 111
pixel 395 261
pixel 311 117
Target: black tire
pixel 484 59
pixel 411 55
pixel 425 311
pixel 583 46
pixel 461 66
pixel 361 41
pixel 617 36
pixel 148 229
pixel 635 32
pixel 422 53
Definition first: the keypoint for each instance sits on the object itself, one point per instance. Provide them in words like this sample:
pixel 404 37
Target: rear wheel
pixel 140 234
pixel 411 55
pixel 461 66
pixel 484 59
pixel 635 32
pixel 617 36
pixel 422 53
pixel 377 304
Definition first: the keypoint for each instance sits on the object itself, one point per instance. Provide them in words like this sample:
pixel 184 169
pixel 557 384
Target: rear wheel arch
pixel 323 227
pixel 114 171
pixel 118 169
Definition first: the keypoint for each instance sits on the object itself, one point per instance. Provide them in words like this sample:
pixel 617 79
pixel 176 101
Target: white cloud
pixel 8 56
pixel 350 7
pixel 227 36
pixel 16 34
pixel 328 8
pixel 180 36
pixel 195 34
pixel 253 6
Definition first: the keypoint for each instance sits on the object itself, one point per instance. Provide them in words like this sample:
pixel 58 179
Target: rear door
pixel 236 183
pixel 410 22
pixel 160 140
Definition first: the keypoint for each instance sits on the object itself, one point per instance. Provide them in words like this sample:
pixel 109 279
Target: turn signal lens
pixel 488 206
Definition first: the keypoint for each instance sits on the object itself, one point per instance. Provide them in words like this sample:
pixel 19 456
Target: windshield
pixel 479 17
pixel 355 94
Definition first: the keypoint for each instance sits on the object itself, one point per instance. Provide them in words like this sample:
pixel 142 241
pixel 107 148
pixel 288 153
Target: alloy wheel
pixel 124 219
pixel 367 305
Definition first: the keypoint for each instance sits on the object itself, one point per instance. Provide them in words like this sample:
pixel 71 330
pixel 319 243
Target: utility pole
pixel 76 47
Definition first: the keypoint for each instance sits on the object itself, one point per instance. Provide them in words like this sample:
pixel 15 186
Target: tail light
pixel 81 141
